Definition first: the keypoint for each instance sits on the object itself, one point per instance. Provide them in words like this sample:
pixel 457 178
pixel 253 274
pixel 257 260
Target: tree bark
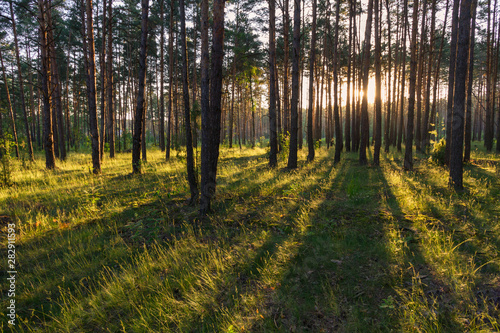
pixel 9 104
pixel 286 97
pixel 387 130
pixel 451 78
pixel 456 149
pixel 192 179
pixel 310 110
pixel 338 125
pixel 140 107
pixel 48 139
pixel 170 78
pixel 21 85
pixel 378 86
pixel 162 79
pixel 273 139
pixel 364 105
pixel 211 122
pixel 56 85
pixel 470 82
pixel 408 161
pixel 419 86
pixel 425 124
pixel 111 109
pixel 403 78
pixel 294 134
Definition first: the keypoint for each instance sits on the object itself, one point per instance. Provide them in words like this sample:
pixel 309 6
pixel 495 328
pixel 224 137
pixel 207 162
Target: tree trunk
pixel 378 86
pixel 456 149
pixel 364 106
pixel 56 85
pixel 111 110
pixel 194 88
pixel 192 179
pixel 162 79
pixel 419 86
pixel 310 110
pixel 387 130
pixel 348 93
pixel 292 156
pixel 408 161
pixel 432 121
pixel 211 120
pixel 21 84
pixel 403 78
pixel 425 125
pixel 470 82
pixel 451 77
pixel 286 97
pixel 9 104
pixel 170 77
pixel 273 140
pixel 140 107
pixel 48 139
pixel 338 125
pixel 102 67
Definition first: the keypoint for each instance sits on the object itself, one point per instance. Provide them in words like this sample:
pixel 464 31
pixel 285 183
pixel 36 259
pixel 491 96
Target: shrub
pixel 439 151
pixel 5 163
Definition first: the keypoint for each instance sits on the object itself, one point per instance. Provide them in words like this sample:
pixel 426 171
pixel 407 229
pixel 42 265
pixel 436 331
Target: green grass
pixel 325 248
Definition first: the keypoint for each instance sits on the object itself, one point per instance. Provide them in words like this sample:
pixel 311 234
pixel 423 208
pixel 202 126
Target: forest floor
pixel 325 248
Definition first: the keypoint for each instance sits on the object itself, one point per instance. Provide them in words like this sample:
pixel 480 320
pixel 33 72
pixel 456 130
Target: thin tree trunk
pixel 348 93
pixel 338 125
pixel 408 161
pixel 364 106
pixel 21 84
pixel 56 83
pixel 310 110
pixel 451 78
pixel 294 135
pixel 9 104
pixel 273 139
pixel 378 86
pixel 194 88
pixel 162 79
pixel 432 122
pixel 456 151
pixel 403 78
pixel 419 87
pixel 470 83
pixel 140 107
pixel 286 97
pixel 387 132
pixel 48 139
pixel 425 125
pixel 111 110
pixel 211 122
pixel 170 77
pixel 192 179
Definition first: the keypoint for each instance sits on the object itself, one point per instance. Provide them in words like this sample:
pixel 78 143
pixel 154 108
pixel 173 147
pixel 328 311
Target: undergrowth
pixel 324 248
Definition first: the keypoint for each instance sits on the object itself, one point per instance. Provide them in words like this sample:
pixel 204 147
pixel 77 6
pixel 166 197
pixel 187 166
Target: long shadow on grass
pixel 344 273
pixel 75 259
pixel 440 290
pixel 246 278
pixel 339 276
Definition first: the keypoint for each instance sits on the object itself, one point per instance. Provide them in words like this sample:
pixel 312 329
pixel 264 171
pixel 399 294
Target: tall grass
pixel 324 248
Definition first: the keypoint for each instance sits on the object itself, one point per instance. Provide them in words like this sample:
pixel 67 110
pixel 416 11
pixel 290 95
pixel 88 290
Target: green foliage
pixel 284 140
pixel 439 152
pixel 5 160
pixel 262 142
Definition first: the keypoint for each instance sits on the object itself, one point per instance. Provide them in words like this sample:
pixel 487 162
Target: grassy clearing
pixel 325 248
